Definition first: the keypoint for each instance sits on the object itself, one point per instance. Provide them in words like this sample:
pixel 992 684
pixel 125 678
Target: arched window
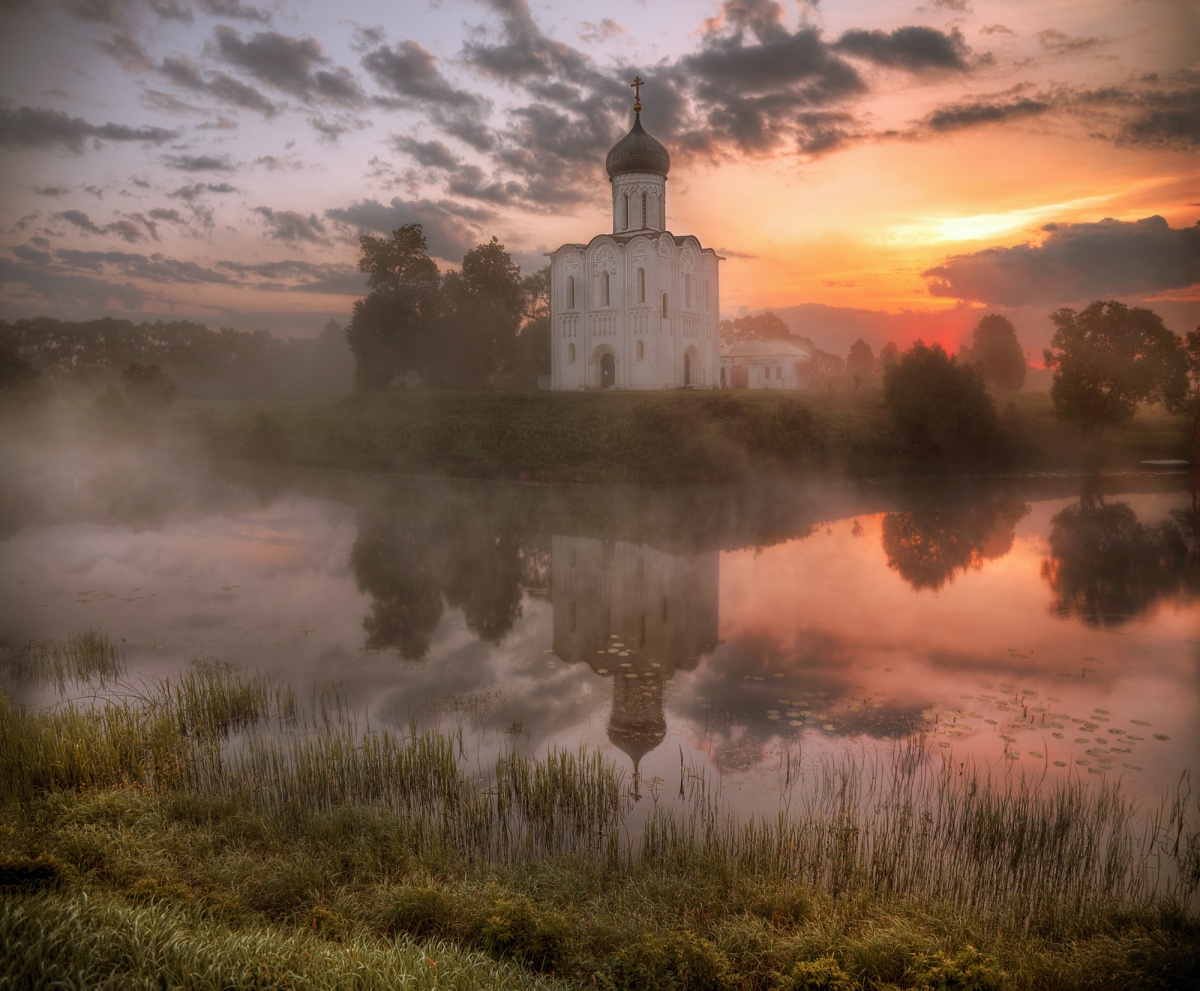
pixel 570 352
pixel 687 291
pixel 666 310
pixel 641 350
pixel 570 292
pixel 641 285
pixel 645 215
pixel 779 371
pixel 604 289
pixel 625 218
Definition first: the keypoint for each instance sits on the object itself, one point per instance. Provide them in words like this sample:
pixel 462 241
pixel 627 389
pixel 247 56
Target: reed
pixel 220 806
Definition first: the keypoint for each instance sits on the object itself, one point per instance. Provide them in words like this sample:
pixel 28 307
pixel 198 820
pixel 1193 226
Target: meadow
pixel 216 829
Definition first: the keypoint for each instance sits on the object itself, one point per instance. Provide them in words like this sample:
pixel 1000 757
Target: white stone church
pixel 637 308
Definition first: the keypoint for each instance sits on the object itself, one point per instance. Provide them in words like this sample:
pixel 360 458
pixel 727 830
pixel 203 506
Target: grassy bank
pixel 645 437
pixel 218 831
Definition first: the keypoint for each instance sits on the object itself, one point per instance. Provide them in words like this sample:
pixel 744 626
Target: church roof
pixel 637 152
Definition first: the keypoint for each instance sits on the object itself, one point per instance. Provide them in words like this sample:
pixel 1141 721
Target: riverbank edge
pixel 649 438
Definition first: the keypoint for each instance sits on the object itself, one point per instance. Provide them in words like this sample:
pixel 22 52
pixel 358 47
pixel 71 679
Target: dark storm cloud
pixel 958 116
pixel 450 228
pixel 913 48
pixel 32 255
pixel 297 66
pixel 1076 262
pixel 292 227
pixel 33 127
pixel 199 163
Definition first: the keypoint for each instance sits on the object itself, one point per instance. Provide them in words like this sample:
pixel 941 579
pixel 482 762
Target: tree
pixel 20 383
pixel 995 349
pixel 940 409
pixel 1108 359
pixel 889 354
pixel 481 308
pixel 391 329
pixel 147 387
pixel 860 362
pixel 765 326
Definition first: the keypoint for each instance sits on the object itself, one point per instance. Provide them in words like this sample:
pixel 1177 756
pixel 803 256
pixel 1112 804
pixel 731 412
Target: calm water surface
pixel 1045 627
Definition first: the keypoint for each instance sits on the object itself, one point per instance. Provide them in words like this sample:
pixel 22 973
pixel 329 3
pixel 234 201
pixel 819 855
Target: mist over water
pixel 1039 627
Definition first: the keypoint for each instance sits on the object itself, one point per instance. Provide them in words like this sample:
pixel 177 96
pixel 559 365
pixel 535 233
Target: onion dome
pixel 637 152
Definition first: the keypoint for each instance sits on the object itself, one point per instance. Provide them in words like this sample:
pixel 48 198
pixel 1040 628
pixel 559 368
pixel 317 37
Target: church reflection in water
pixel 636 615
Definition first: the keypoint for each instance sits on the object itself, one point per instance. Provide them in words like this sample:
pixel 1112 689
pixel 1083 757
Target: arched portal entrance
pixel 691 367
pixel 604 368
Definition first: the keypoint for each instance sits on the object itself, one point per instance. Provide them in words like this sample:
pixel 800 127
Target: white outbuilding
pixel 637 308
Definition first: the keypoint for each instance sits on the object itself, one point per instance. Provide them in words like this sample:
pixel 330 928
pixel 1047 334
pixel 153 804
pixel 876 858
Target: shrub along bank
pixel 660 437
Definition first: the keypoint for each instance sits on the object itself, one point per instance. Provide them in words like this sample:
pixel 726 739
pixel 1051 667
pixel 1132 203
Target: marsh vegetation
pixel 217 829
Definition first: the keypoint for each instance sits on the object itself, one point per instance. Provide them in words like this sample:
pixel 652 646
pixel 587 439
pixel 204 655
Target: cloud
pixel 291 65
pixel 292 227
pixel 50 190
pixel 428 154
pixel 1057 43
pixel 1151 111
pixel 64 289
pixel 1109 258
pixel 191 192
pixel 451 229
pixel 126 51
pixel 996 29
pixel 959 116
pixel 34 127
pixel 916 49
pixel 199 163
pixel 234 9
pixel 522 51
pixel 591 33
pixel 126 229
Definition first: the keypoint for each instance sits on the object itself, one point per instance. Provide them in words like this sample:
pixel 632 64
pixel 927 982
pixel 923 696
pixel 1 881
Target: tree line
pixel 481 326
pixel 42 354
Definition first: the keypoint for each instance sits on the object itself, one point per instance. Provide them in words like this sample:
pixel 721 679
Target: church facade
pixel 637 308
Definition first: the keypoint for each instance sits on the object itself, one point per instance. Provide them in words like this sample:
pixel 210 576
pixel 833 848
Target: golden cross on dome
pixel 637 84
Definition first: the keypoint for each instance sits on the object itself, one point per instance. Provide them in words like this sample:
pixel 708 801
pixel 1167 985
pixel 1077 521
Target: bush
pixel 940 409
pixel 825 974
pixel 968 970
pixel 516 929
pixel 422 913
pixel 671 962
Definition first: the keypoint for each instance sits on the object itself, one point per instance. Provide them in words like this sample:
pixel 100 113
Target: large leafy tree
pixel 995 349
pixel 482 307
pixel 766 326
pixel 1110 357
pixel 860 362
pixel 392 328
pixel 940 409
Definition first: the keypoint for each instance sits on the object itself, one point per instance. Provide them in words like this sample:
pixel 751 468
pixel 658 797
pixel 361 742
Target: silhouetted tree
pixel 995 349
pixel 860 363
pixel 940 409
pixel 391 329
pixel 889 354
pixel 928 547
pixel 1108 359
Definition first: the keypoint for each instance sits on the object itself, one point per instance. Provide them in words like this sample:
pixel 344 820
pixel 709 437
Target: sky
pixel 866 168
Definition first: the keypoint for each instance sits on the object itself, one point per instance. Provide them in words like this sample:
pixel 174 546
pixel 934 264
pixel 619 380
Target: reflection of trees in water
pixel 1106 566
pixel 928 547
pixel 416 564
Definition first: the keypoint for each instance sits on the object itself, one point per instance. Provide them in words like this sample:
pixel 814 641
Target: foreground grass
pixel 218 832
pixel 646 437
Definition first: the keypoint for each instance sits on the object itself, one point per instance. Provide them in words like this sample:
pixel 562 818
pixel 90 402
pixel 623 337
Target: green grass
pixel 679 436
pixel 216 831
